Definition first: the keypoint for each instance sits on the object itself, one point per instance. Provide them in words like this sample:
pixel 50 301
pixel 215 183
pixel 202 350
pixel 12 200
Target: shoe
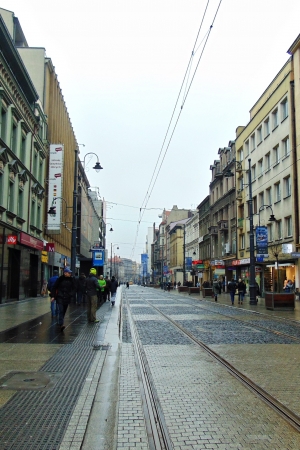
pixel 96 321
pixel 62 328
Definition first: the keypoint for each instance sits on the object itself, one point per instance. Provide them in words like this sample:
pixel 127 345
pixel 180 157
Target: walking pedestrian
pixel 113 290
pixel 241 287
pixel 53 304
pixel 257 291
pixel 81 289
pixel 127 285
pixel 101 292
pixel 216 289
pixel 92 287
pixel 232 288
pixel 63 291
pixel 107 289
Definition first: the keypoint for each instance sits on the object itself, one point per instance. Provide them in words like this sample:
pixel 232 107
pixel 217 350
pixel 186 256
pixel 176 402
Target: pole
pixel 183 254
pixel 110 260
pixel 252 287
pixel 74 221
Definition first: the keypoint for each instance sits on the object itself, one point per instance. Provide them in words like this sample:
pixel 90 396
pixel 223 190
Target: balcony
pixel 223 225
pixel 213 230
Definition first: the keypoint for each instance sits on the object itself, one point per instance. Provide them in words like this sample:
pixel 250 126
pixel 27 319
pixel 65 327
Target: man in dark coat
pixel 81 289
pixel 92 288
pixel 113 290
pixel 64 292
pixel 232 286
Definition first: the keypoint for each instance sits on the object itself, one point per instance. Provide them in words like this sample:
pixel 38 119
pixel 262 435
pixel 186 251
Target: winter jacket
pixel 92 285
pixel 241 287
pixel 113 286
pixel 102 284
pixel 51 282
pixel 64 289
pixel 81 284
pixel 232 286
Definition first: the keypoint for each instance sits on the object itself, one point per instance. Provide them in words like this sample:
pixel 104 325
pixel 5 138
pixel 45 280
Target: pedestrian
pixel 113 290
pixel 81 289
pixel 44 288
pixel 107 289
pixel 257 291
pixel 169 286
pixel 241 287
pixel 101 292
pixel 64 292
pixel 232 288
pixel 289 286
pixel 216 289
pixel 174 285
pixel 53 304
pixel 127 285
pixel 92 287
pixel 220 286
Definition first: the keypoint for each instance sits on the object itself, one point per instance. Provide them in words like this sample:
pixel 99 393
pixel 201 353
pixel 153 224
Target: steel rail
pixel 157 431
pixel 284 412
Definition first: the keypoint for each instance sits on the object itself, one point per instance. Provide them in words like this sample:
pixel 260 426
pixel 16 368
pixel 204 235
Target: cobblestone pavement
pixel 203 405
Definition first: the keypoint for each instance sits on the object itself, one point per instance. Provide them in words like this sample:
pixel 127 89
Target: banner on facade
pixel 188 263
pixel 262 242
pixel 56 159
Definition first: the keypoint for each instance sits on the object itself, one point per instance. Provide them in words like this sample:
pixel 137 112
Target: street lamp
pixel 97 167
pixel 272 217
pixel 111 249
pixel 252 287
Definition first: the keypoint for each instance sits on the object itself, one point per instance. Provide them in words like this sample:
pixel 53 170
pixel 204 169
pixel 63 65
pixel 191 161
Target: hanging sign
pixel 262 242
pixel 98 257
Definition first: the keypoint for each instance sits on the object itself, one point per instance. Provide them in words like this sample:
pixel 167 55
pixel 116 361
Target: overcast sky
pixel 121 64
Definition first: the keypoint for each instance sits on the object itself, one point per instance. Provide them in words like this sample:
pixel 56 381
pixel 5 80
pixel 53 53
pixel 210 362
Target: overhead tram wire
pixel 184 100
pixel 174 109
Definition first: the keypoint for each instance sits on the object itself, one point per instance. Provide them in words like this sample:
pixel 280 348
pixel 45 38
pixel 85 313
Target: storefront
pixel 20 269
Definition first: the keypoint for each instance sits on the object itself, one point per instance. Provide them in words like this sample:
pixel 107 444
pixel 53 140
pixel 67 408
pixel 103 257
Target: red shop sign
pixel 11 239
pixel 31 241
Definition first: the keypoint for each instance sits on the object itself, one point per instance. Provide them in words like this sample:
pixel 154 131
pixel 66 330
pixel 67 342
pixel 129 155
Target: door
pixel 14 258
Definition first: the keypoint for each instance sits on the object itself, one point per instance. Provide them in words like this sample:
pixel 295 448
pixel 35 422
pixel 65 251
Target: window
pixel 279 229
pixel 253 172
pixel 270 232
pixel 277 192
pixel 267 127
pixel 32 215
pixel 261 199
pixel 287 187
pixel 3 124
pixel 260 168
pixel 288 226
pixel 242 241
pixel 268 161
pixel 285 147
pixel 284 109
pixel 275 118
pixel 252 142
pixel 241 155
pixel 246 148
pixel 10 199
pixel 240 184
pixel 20 203
pixel 276 154
pixel 259 135
pixel 269 196
pixel 254 205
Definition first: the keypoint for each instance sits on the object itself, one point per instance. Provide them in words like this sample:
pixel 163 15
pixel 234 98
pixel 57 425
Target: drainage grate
pixel 37 420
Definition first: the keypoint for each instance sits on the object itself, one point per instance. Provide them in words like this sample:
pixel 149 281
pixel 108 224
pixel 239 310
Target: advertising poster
pixel 56 159
pixel 262 242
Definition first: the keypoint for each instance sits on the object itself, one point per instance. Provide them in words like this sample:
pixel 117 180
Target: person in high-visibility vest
pixel 102 284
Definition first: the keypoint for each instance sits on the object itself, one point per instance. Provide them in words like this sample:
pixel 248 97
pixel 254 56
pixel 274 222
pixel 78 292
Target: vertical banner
pixel 144 262
pixel 188 263
pixel 56 159
pixel 262 242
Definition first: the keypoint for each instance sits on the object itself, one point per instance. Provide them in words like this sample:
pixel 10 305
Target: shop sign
pixel 200 266
pixel 44 257
pixel 56 159
pixel 98 258
pixel 197 261
pixel 11 239
pixel 287 248
pixel 295 255
pixel 50 247
pixel 240 262
pixel 219 272
pixel 31 241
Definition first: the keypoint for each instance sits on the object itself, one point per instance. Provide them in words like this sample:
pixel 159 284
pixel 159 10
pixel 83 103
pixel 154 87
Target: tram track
pixel 157 431
pixel 287 414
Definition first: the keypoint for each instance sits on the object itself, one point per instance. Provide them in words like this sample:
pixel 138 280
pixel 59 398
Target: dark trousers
pixel 62 308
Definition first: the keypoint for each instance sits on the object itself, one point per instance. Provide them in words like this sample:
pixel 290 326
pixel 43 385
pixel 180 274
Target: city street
pixel 161 370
